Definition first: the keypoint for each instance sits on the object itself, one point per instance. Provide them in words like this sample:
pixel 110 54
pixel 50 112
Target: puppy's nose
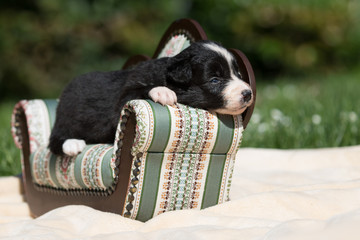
pixel 246 95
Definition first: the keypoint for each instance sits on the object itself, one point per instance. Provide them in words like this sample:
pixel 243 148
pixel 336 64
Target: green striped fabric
pixel 89 170
pixel 187 158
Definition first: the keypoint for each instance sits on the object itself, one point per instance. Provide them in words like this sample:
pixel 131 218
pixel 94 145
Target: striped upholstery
pixel 183 157
pixel 89 170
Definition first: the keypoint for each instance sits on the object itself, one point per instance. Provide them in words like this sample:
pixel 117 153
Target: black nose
pixel 246 95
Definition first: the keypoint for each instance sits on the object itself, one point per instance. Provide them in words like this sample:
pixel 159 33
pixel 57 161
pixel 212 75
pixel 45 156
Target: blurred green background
pixel 43 43
pixel 305 54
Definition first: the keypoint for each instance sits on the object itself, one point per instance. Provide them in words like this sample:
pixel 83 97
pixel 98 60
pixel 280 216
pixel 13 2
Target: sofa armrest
pixel 181 157
pixel 180 128
pixel 39 119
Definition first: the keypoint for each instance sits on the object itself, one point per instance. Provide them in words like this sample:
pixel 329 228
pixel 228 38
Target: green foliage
pixel 43 44
pixel 281 36
pixel 9 154
pixel 320 111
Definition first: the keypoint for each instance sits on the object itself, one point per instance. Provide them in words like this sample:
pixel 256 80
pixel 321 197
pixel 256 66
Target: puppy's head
pixel 208 77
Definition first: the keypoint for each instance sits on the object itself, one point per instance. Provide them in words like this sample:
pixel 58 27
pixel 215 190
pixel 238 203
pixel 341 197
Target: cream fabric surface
pixel 276 194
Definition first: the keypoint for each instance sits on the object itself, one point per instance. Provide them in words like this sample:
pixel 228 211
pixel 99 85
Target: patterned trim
pixel 37 117
pixel 192 130
pixel 229 165
pixel 175 45
pixel 144 128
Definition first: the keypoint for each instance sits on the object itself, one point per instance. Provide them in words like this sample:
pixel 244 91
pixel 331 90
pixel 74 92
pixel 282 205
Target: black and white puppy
pixel 204 75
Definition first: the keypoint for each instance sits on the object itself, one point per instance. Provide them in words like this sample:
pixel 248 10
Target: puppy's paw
pixel 163 95
pixel 72 147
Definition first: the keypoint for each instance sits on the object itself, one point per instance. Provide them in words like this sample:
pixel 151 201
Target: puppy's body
pixel 90 105
pixel 204 75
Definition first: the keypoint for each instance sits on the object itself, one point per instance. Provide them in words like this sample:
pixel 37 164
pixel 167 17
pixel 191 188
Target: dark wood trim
pixel 248 76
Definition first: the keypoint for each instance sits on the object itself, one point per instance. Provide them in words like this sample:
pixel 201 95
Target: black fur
pixel 90 105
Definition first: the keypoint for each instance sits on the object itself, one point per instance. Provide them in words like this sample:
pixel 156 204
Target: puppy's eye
pixel 214 80
pixel 238 74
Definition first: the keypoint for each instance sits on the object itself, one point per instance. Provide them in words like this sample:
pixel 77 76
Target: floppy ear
pixel 179 70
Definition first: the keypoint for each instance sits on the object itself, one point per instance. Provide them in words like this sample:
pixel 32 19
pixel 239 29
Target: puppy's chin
pixel 230 111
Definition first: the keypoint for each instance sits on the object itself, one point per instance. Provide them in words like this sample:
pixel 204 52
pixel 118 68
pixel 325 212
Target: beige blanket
pixel 276 194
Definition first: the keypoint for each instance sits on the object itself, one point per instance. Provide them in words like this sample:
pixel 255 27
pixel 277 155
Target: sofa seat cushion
pixel 88 170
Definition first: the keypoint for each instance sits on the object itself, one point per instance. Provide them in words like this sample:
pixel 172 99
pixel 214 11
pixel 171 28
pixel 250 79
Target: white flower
pixel 286 121
pixel 256 117
pixel 316 119
pixel 279 117
pixel 353 117
pixel 272 91
pixel 263 127
pixel 276 114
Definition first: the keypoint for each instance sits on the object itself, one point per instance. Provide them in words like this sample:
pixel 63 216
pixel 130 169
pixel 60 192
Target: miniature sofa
pixel 163 158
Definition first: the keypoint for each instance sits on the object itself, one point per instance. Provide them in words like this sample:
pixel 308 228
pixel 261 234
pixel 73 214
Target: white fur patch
pixel 163 95
pixel 72 147
pixel 222 51
pixel 234 100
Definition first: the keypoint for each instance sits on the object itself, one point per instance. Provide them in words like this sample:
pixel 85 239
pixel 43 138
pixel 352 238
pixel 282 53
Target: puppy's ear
pixel 179 69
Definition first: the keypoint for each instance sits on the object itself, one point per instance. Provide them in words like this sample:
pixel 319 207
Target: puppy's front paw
pixel 163 95
pixel 72 147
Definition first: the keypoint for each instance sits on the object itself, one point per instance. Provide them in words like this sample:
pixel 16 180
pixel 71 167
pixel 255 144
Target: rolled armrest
pixel 39 120
pixel 182 157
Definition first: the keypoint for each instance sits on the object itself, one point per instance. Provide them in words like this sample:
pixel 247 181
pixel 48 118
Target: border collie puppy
pixel 204 75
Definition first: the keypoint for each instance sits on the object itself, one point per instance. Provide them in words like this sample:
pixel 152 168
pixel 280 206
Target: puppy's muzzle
pixel 236 100
pixel 246 95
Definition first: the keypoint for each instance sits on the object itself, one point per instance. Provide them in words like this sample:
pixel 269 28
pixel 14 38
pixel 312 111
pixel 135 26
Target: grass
pixel 311 112
pixel 308 113
pixel 9 154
